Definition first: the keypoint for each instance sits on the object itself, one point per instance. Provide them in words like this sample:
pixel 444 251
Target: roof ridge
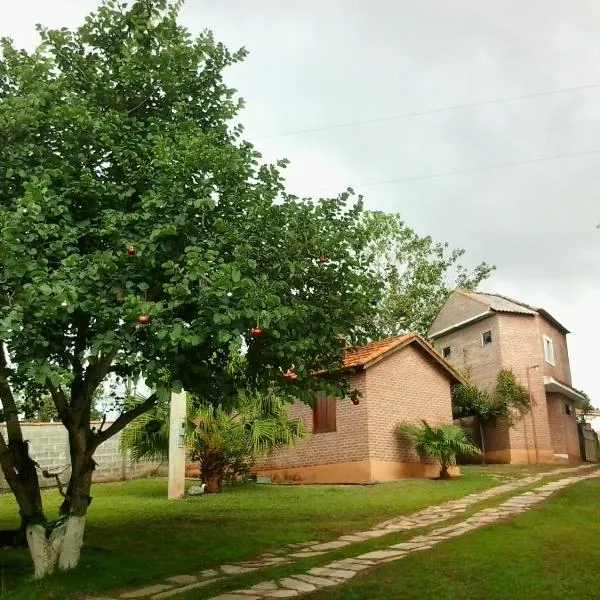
pixel 519 302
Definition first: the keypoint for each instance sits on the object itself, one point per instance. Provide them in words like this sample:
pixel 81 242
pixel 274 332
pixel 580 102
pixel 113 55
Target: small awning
pixel 556 387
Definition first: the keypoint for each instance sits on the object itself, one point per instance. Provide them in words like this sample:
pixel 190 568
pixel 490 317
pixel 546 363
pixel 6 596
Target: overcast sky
pixel 321 63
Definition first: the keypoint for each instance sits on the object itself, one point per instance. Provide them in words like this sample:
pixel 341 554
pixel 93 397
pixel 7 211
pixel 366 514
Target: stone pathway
pixel 341 571
pixel 294 552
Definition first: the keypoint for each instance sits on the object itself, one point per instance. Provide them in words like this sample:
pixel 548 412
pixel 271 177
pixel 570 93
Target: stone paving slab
pixel 422 518
pixel 399 551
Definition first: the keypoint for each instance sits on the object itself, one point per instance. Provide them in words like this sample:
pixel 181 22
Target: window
pixel 446 352
pixel 324 414
pixel 568 409
pixel 548 350
pixel 486 338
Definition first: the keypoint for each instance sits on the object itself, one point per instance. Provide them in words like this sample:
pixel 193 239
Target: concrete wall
pixel 49 446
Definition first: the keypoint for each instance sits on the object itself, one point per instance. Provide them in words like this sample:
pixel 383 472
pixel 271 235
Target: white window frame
pixel 549 356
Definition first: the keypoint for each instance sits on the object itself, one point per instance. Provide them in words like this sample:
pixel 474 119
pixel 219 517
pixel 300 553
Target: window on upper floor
pixel 486 338
pixel 324 414
pixel 568 409
pixel 548 350
pixel 446 352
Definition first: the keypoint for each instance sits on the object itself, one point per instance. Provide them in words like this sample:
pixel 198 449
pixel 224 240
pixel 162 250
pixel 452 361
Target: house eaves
pixel 556 387
pixel 474 319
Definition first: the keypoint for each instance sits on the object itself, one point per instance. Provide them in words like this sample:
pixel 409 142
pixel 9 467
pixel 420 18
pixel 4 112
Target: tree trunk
pixel 482 442
pixel 444 473
pixel 77 498
pixel 61 549
pixel 211 471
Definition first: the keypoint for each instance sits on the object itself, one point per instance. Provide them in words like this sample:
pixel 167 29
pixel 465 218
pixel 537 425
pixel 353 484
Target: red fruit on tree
pixel 257 331
pixel 131 251
pixel 322 259
pixel 355 401
pixel 143 319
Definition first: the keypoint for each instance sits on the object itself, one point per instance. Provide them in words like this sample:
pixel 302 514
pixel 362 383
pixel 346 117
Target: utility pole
pixel 177 445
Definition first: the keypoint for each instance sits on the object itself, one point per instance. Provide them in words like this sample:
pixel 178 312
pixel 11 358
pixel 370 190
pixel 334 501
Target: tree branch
pixel 97 371
pixel 124 419
pixel 82 324
pixel 8 468
pixel 60 402
pixel 9 405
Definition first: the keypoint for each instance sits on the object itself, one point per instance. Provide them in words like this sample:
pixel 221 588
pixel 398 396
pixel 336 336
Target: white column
pixel 177 446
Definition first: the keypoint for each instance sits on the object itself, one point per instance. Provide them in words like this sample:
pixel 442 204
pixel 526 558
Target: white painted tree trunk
pixel 70 550
pixel 62 549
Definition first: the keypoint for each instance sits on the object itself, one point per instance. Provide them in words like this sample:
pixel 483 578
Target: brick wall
pixel 563 427
pixel 516 345
pixel 561 370
pixel 49 446
pixel 522 353
pixel 408 386
pixel 468 354
pixel 348 443
pixel 481 363
pixel 457 308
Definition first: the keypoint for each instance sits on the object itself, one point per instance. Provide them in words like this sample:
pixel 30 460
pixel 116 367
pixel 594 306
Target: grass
pixel 135 536
pixel 551 552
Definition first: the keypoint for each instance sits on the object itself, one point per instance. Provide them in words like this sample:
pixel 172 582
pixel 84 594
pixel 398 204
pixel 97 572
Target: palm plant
pixel 442 443
pixel 148 436
pixel 224 441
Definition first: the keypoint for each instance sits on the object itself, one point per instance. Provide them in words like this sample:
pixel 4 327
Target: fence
pixel 49 447
pixel 588 443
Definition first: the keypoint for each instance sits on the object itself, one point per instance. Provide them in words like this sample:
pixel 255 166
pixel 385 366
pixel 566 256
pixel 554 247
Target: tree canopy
pixel 142 237
pixel 418 274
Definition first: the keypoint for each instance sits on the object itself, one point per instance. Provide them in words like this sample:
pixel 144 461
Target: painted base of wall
pixel 522 456
pixel 363 471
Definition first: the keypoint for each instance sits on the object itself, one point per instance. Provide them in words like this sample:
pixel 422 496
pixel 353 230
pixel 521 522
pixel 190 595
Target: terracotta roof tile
pixel 357 357
pixel 362 356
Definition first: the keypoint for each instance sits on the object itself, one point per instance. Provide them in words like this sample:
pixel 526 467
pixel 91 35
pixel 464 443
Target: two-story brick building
pixel 480 334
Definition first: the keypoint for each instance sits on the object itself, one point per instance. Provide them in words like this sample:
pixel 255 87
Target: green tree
pixel 508 401
pixel 225 441
pixel 43 410
pixel 585 406
pixel 142 237
pixel 417 273
pixel 442 443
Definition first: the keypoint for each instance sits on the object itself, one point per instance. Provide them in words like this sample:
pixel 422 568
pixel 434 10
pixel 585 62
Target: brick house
pixel 480 334
pixel 401 379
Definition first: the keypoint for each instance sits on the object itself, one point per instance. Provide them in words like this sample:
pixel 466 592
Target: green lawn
pixel 549 553
pixel 136 536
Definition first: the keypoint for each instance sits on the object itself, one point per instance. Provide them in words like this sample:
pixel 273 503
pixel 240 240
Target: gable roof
pixel 504 304
pixel 366 356
pixel 370 354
